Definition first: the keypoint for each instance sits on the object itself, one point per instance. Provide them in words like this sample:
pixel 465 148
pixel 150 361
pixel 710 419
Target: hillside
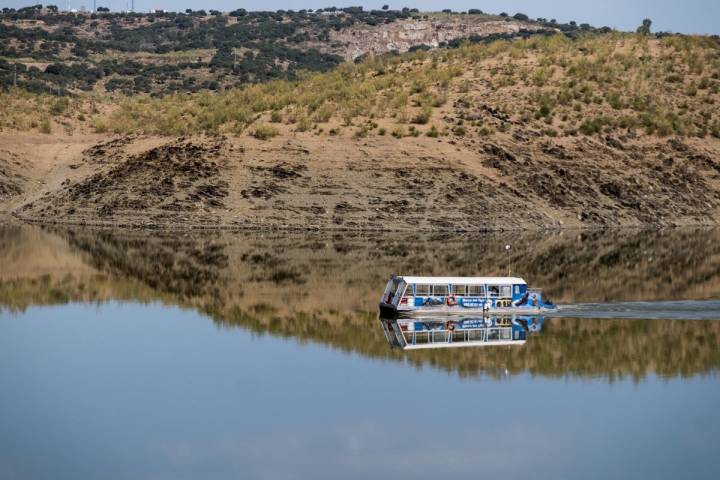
pixel 47 51
pixel 549 131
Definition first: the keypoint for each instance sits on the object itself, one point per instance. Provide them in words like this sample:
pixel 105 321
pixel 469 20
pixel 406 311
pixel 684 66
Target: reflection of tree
pixel 325 289
pixel 186 267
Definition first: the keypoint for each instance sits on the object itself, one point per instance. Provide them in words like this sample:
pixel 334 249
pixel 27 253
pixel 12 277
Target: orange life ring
pixel 451 301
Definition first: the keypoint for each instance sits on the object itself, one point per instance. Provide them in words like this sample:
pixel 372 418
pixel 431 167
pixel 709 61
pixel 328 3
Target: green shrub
pixel 265 132
pixel 363 131
pixel 324 113
pixel 303 123
pixel 438 100
pixel 715 129
pixel 423 116
pixel 615 100
pixel 544 111
pixel 100 126
pixel 459 131
pixel 45 125
pixel 60 106
pixel 594 125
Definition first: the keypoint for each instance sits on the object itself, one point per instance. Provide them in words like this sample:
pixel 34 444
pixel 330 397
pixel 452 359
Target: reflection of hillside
pixel 37 268
pixel 324 289
pixel 309 273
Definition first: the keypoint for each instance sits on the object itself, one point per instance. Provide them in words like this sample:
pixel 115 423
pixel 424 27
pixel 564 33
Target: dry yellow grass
pixel 597 83
pixel 558 86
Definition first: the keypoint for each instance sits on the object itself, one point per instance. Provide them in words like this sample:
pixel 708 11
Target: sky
pixel 685 16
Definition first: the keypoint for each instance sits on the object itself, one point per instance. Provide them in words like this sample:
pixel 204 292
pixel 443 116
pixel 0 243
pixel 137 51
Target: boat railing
pixel 477 335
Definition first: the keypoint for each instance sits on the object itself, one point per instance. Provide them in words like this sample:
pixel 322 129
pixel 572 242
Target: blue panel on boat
pixel 429 301
pixel 472 302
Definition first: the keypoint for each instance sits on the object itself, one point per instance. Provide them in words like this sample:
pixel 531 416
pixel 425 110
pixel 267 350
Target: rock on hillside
pixel 400 36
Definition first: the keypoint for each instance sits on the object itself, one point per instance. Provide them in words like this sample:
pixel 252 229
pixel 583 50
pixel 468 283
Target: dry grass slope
pixel 560 87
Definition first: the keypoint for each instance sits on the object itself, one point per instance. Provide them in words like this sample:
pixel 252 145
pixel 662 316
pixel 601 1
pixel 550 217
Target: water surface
pixel 127 355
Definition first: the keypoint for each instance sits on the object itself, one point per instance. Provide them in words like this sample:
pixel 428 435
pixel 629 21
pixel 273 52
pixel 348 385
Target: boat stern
pixel 390 302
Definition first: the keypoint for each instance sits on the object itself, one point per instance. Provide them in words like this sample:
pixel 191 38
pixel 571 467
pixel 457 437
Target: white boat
pixel 492 295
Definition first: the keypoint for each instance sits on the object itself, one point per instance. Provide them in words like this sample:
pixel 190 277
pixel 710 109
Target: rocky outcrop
pixel 402 35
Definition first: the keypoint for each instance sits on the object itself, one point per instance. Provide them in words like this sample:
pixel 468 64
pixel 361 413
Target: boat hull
pixel 391 310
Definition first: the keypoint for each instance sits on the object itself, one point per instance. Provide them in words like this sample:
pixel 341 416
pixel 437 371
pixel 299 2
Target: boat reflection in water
pixel 416 333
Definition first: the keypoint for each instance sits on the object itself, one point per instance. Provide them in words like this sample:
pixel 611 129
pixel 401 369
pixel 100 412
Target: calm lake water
pixel 135 355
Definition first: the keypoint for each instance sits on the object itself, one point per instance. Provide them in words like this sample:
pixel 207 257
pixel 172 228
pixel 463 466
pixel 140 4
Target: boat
pixel 492 295
pixel 432 332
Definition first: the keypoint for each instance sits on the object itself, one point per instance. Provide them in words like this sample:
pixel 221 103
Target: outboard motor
pixel 534 299
pixel 544 302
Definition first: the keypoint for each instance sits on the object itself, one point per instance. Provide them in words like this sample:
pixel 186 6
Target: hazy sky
pixel 687 16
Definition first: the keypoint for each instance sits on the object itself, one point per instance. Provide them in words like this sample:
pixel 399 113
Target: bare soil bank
pixel 305 181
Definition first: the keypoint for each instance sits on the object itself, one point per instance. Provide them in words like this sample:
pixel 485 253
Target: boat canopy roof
pixel 465 280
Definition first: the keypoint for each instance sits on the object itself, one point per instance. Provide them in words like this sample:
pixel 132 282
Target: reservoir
pixel 129 355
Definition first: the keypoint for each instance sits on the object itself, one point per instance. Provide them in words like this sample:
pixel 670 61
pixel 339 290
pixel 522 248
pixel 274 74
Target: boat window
pixel 459 290
pixel 476 290
pixel 409 291
pixel 440 290
pixel 506 291
pixel 494 290
pixel 517 289
pixel 422 290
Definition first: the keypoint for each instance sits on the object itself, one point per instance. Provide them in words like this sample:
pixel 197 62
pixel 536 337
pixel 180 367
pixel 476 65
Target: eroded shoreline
pixel 310 183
